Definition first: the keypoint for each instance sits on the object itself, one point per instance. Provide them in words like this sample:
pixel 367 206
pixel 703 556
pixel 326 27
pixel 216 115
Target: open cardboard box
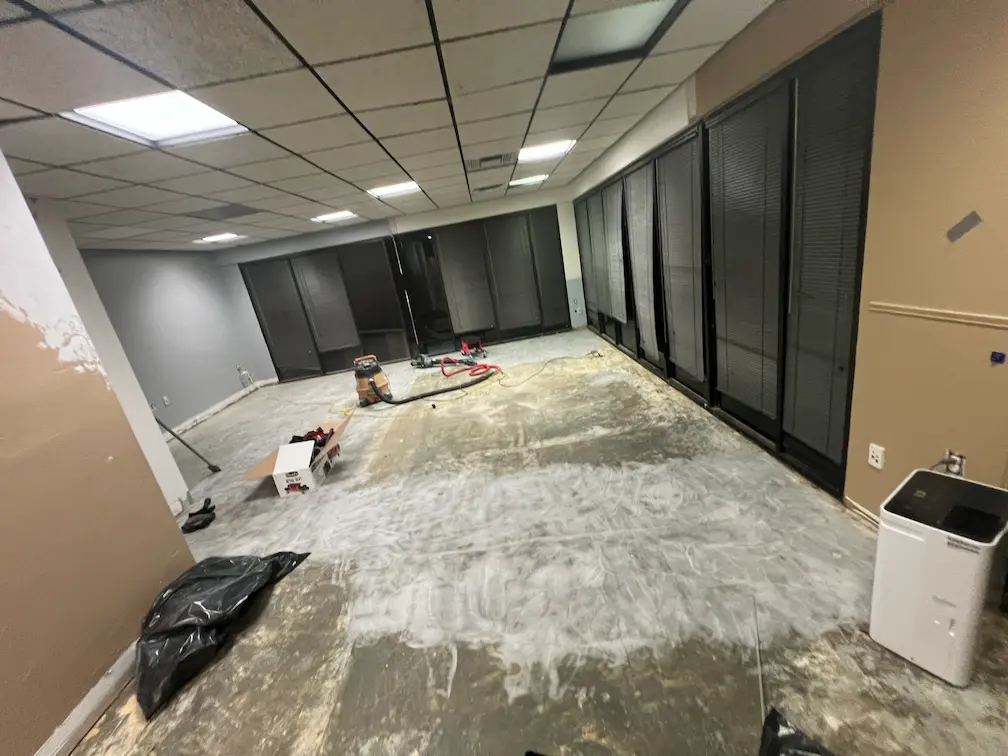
pixel 292 467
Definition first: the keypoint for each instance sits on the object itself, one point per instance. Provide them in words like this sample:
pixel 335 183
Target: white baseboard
pixel 870 517
pixel 192 422
pixel 71 732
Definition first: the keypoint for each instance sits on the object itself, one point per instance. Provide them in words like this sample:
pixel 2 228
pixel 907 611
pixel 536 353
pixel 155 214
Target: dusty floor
pixel 571 560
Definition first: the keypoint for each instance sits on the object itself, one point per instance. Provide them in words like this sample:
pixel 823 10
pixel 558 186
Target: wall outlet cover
pixel 876 456
pixel 166 400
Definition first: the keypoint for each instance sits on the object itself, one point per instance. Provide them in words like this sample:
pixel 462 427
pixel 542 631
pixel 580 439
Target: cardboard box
pixel 292 467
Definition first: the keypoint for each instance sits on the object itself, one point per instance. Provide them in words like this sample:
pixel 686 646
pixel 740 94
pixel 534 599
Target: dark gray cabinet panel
pixel 511 272
pixel 320 278
pixel 640 187
pixel 370 287
pixel 282 317
pixel 544 231
pixel 600 256
pixel 612 201
pixel 833 127
pixel 680 226
pixel 747 159
pixel 585 252
pixel 462 253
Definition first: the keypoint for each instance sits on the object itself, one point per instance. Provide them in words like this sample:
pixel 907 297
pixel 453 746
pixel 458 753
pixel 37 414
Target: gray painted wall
pixel 185 324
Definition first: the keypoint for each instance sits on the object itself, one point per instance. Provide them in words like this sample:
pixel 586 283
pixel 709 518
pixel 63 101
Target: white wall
pixel 120 373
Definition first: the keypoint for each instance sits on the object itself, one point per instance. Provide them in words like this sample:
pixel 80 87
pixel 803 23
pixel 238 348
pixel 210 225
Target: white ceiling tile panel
pixel 203 183
pixel 324 30
pixel 59 142
pixel 498 146
pixel 330 194
pixel 188 42
pixel 132 217
pixel 314 181
pixel 487 193
pixel 10 110
pixel 522 170
pixel 460 18
pixel 421 143
pixel 71 209
pixel 370 171
pixel 168 222
pixel 407 119
pixel 439 171
pixel 275 203
pixel 707 22
pixel 274 170
pixel 60 184
pixel 414 203
pixel 168 236
pixel 594 6
pixel 306 210
pixel 142 168
pixel 588 84
pixel 497 59
pixel 183 206
pixel 555 135
pixel 385 80
pixel 634 103
pixel 348 157
pixel 431 159
pixel 596 143
pixel 548 119
pixel 245 193
pixel 234 150
pixel 117 232
pixel 451 182
pixel 670 68
pixel 495 128
pixel 43 67
pixel 24 167
pixel 271 100
pixel 131 196
pixel 610 126
pixel 490 176
pixel 320 134
pixel 512 98
pixel 51 6
pixel 9 11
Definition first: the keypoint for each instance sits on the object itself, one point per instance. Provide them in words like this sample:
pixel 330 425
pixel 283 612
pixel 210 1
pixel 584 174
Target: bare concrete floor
pixel 570 560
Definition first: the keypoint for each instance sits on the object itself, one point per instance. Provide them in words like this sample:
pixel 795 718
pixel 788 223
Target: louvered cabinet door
pixel 585 252
pixel 640 188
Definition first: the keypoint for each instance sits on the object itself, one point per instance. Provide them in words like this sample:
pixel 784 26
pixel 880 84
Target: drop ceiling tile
pixel 489 193
pixel 548 119
pixel 264 220
pixel 169 222
pixel 275 170
pixel 370 171
pixel 555 135
pixel 118 232
pixel 60 184
pixel 523 170
pixel 439 171
pixel 397 78
pixel 45 68
pixel 421 143
pixel 331 195
pixel 490 177
pixel 233 150
pixel 323 30
pixel 313 181
pixel 460 18
pixel 320 134
pixel 588 84
pixel 707 22
pixel 183 206
pixel 10 110
pixel 54 6
pixel 143 167
pixel 431 159
pixel 512 98
pixel 203 183
pixel 497 59
pixel 635 103
pixel 73 209
pixel 495 128
pixel 581 7
pixel 275 203
pixel 188 42
pixel 608 126
pixel 596 143
pixel 414 203
pixel 244 194
pixel 348 157
pixel 271 100
pixel 406 119
pixel 24 167
pixel 307 210
pixel 670 68
pixel 497 147
pixel 451 182
pixel 131 217
pixel 131 196
pixel 168 236
pixel 59 142
pixel 9 11
pixel 452 201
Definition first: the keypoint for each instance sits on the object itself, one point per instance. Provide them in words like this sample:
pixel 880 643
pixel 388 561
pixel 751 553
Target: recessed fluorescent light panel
pixel 394 190
pixel 551 151
pixel 334 217
pixel 160 120
pixel 529 180
pixel 218 238
pixel 604 37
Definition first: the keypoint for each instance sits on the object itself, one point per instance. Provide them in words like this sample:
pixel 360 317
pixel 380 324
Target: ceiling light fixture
pixel 334 217
pixel 529 180
pixel 394 190
pixel 216 238
pixel 161 120
pixel 551 151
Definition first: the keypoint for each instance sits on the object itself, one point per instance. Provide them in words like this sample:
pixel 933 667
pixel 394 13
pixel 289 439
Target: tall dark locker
pixel 834 114
pixel 320 279
pixel 587 261
pixel 282 317
pixel 544 231
pixel 512 273
pixel 680 228
pixel 612 204
pixel 600 257
pixel 640 188
pixel 748 148
pixel 462 254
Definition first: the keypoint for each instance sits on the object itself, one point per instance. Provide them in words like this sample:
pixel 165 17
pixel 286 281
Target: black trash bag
pixel 781 738
pixel 193 617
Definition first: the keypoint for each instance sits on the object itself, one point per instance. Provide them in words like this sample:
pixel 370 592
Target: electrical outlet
pixel 166 400
pixel 876 456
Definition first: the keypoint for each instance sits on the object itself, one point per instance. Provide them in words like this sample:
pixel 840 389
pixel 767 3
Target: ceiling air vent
pixel 491 161
pixel 491 188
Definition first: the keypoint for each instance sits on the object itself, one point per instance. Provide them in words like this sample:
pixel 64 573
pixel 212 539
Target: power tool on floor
pixel 370 377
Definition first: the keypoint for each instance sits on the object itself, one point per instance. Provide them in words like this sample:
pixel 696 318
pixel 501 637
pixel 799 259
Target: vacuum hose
pixel 480 373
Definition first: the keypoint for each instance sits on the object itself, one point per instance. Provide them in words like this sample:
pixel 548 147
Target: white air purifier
pixel 937 542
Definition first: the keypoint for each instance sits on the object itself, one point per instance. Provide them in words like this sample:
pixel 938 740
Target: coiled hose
pixel 480 372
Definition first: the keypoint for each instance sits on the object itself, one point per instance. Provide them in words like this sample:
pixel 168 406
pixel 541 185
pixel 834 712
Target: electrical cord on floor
pixel 593 353
pixel 481 372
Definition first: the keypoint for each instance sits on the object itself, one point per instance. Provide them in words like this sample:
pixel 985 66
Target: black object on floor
pixel 200 518
pixel 210 465
pixel 781 738
pixel 193 618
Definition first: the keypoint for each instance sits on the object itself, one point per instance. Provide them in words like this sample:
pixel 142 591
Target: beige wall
pixel 86 540
pixel 931 311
